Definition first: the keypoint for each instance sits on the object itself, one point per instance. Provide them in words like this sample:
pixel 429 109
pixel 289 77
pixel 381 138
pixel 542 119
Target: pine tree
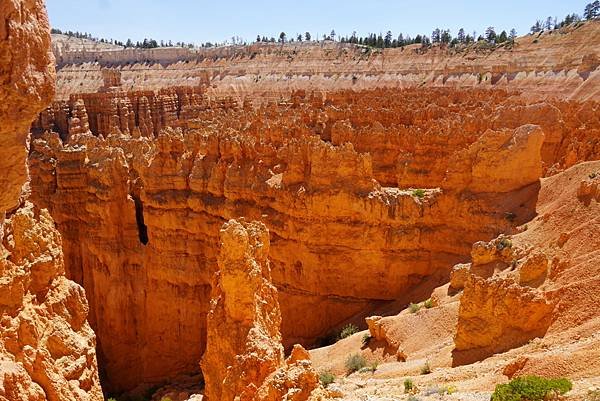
pixel 332 35
pixel 513 35
pixel 446 37
pixel 307 36
pixel 490 34
pixel 388 39
pixel 436 36
pixel 461 35
pixel 282 36
pixel 503 37
pixel 592 10
pixel 537 27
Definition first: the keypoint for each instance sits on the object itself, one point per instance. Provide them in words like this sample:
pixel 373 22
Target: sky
pixel 218 20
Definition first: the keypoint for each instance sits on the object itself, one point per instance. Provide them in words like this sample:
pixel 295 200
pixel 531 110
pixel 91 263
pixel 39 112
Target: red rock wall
pixel 141 218
pixel 47 348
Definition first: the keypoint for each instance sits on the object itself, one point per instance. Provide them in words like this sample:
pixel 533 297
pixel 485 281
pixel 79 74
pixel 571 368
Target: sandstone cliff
pixel 140 216
pixel 557 63
pixel 525 305
pixel 244 355
pixel 47 348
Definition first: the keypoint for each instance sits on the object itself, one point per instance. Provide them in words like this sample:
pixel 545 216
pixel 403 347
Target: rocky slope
pixel 562 63
pixel 47 348
pixel 391 186
pixel 524 305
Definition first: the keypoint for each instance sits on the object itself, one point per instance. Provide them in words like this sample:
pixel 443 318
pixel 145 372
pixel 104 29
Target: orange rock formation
pixel 47 348
pixel 524 305
pixel 557 63
pixel 140 215
pixel 244 355
pixel 369 198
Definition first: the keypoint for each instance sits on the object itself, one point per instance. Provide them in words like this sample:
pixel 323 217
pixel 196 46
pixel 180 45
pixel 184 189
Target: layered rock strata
pixel 141 216
pixel 558 63
pixel 47 348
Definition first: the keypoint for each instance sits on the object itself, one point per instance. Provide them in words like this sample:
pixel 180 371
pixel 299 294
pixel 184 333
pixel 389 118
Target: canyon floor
pixel 184 225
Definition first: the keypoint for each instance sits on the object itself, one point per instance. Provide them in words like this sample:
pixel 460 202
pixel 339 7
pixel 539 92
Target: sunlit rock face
pixel 47 348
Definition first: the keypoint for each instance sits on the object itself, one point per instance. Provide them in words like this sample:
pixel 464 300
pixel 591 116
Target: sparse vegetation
pixel 504 243
pixel 408 385
pixel 166 399
pixel 426 369
pixel 348 330
pixel 414 308
pixel 354 363
pixel 366 340
pixel 373 366
pixel 326 378
pixel 413 398
pixel 531 388
pixel 428 304
pixel 418 193
pixel 440 390
pixel 593 395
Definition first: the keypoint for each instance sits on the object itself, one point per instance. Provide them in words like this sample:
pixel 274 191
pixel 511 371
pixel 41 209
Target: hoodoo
pixel 244 355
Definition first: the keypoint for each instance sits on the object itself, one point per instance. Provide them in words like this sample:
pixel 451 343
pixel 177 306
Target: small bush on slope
pixel 531 388
pixel 355 363
pixel 408 385
pixel 348 331
pixel 326 378
pixel 414 308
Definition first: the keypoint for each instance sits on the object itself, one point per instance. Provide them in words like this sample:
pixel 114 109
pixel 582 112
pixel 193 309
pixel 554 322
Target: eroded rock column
pixel 244 356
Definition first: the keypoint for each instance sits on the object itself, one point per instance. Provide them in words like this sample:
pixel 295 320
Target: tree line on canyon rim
pixel 438 36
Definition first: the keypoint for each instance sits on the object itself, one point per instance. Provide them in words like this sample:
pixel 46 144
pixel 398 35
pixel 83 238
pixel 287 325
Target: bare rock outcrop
pixel 27 77
pixel 496 315
pixel 47 348
pixel 244 355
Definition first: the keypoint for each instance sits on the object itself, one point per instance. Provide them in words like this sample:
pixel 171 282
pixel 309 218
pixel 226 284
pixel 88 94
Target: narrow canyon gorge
pixel 189 223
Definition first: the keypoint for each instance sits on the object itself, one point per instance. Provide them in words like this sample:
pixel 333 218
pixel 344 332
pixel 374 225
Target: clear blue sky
pixel 199 21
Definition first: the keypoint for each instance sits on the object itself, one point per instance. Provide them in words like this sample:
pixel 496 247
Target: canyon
pixel 205 216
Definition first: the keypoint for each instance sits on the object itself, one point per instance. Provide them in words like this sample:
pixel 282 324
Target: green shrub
pixel 373 366
pixel 414 308
pixel 366 339
pixel 348 331
pixel 355 363
pixel 419 193
pixel 326 378
pixel 428 304
pixel 426 369
pixel 111 399
pixel 413 398
pixel 165 399
pixel 504 243
pixel 408 385
pixel 531 388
